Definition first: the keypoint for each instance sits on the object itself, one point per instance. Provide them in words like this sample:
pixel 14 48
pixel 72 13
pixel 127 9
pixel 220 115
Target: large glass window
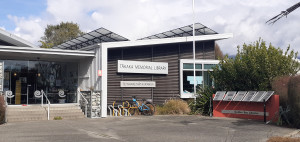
pixel 23 78
pixel 202 77
pixel 188 80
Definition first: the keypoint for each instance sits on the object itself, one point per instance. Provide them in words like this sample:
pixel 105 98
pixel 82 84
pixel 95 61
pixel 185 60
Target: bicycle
pixel 146 108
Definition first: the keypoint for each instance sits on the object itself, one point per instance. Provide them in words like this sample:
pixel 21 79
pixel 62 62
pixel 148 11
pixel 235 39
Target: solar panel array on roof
pixel 97 36
pixel 183 32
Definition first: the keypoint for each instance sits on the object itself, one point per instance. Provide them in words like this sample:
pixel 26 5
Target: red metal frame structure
pixel 247 109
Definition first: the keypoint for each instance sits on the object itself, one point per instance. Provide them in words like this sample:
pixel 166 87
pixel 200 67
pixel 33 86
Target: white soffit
pixel 44 51
pixel 15 40
pixel 166 40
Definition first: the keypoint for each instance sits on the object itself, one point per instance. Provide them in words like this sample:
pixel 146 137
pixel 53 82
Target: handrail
pixel 43 93
pixel 85 100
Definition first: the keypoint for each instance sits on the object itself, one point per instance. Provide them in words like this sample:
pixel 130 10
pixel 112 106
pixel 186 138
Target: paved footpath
pixel 142 128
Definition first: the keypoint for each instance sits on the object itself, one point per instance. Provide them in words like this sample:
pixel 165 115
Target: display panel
pixel 239 96
pixel 229 95
pixel 219 95
pixel 249 96
pixel 258 95
pixel 266 96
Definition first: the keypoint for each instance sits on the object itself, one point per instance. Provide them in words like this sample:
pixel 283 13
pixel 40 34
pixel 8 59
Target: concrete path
pixel 142 128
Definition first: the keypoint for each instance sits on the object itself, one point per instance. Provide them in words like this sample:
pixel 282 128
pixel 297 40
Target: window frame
pixel 189 61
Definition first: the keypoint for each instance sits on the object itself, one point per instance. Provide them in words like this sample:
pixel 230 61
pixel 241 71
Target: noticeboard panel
pixel 258 95
pixel 266 96
pixel 249 96
pixel 219 95
pixel 229 96
pixel 239 96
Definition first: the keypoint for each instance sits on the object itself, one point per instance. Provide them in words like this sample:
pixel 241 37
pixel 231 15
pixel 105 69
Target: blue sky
pixel 20 8
pixel 135 19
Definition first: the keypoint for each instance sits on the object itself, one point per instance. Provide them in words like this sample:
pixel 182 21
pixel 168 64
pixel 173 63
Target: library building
pixel 100 67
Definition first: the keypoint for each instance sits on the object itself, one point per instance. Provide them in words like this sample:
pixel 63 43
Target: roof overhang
pixel 27 53
pixel 15 40
pixel 165 40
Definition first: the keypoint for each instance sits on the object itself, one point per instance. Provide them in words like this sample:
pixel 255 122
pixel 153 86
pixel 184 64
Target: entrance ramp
pixel 39 113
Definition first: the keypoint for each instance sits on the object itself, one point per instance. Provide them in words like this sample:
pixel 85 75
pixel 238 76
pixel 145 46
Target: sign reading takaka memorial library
pixel 125 66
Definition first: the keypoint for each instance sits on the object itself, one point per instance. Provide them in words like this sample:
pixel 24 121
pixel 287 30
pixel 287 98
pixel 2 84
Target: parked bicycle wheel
pixel 133 109
pixel 148 109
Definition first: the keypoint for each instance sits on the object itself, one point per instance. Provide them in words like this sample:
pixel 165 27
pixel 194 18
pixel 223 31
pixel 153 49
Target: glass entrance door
pixel 15 80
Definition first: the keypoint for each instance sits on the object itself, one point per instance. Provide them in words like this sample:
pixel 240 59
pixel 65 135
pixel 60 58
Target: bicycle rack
pixel 110 110
pixel 120 111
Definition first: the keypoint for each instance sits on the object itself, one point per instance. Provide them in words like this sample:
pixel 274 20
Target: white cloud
pixel 139 18
pixel 30 28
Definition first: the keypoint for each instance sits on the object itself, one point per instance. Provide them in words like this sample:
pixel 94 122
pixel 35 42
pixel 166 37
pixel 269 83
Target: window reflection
pixel 25 77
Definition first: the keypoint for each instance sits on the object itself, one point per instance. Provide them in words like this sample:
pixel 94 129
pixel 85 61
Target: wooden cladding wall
pixel 167 86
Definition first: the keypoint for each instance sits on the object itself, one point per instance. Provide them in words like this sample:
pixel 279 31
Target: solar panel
pixel 103 31
pixel 249 96
pixel 266 96
pixel 239 96
pixel 219 95
pixel 90 38
pixel 95 34
pixel 257 96
pixel 229 96
pixel 183 32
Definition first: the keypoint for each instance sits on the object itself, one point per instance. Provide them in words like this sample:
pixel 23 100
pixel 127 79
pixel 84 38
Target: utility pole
pixel 194 52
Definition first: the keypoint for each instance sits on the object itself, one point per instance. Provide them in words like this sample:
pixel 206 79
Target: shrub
pixel 2 109
pixel 202 103
pixel 174 106
pixel 58 118
pixel 281 88
pixel 254 67
pixel 294 100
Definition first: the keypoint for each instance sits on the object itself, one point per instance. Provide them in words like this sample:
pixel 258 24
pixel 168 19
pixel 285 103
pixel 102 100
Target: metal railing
pixel 85 102
pixel 48 112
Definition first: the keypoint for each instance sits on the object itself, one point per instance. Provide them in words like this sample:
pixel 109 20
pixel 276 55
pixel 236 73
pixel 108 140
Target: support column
pixel 104 81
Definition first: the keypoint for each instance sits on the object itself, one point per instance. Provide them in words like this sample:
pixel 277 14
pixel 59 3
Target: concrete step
pixel 24 108
pixel 21 113
pixel 36 112
pixel 27 116
pixel 69 117
pixel 19 119
pixel 66 115
pixel 66 111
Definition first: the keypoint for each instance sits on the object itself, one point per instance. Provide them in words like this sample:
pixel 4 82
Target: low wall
pixel 246 110
pixel 2 109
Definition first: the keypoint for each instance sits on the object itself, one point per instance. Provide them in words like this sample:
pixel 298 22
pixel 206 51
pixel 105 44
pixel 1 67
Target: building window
pixel 202 75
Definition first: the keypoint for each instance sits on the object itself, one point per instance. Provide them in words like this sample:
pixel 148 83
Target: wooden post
pixel 265 118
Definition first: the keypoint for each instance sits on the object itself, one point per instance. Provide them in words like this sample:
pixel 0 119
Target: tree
pixel 57 34
pixel 254 67
pixel 218 52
